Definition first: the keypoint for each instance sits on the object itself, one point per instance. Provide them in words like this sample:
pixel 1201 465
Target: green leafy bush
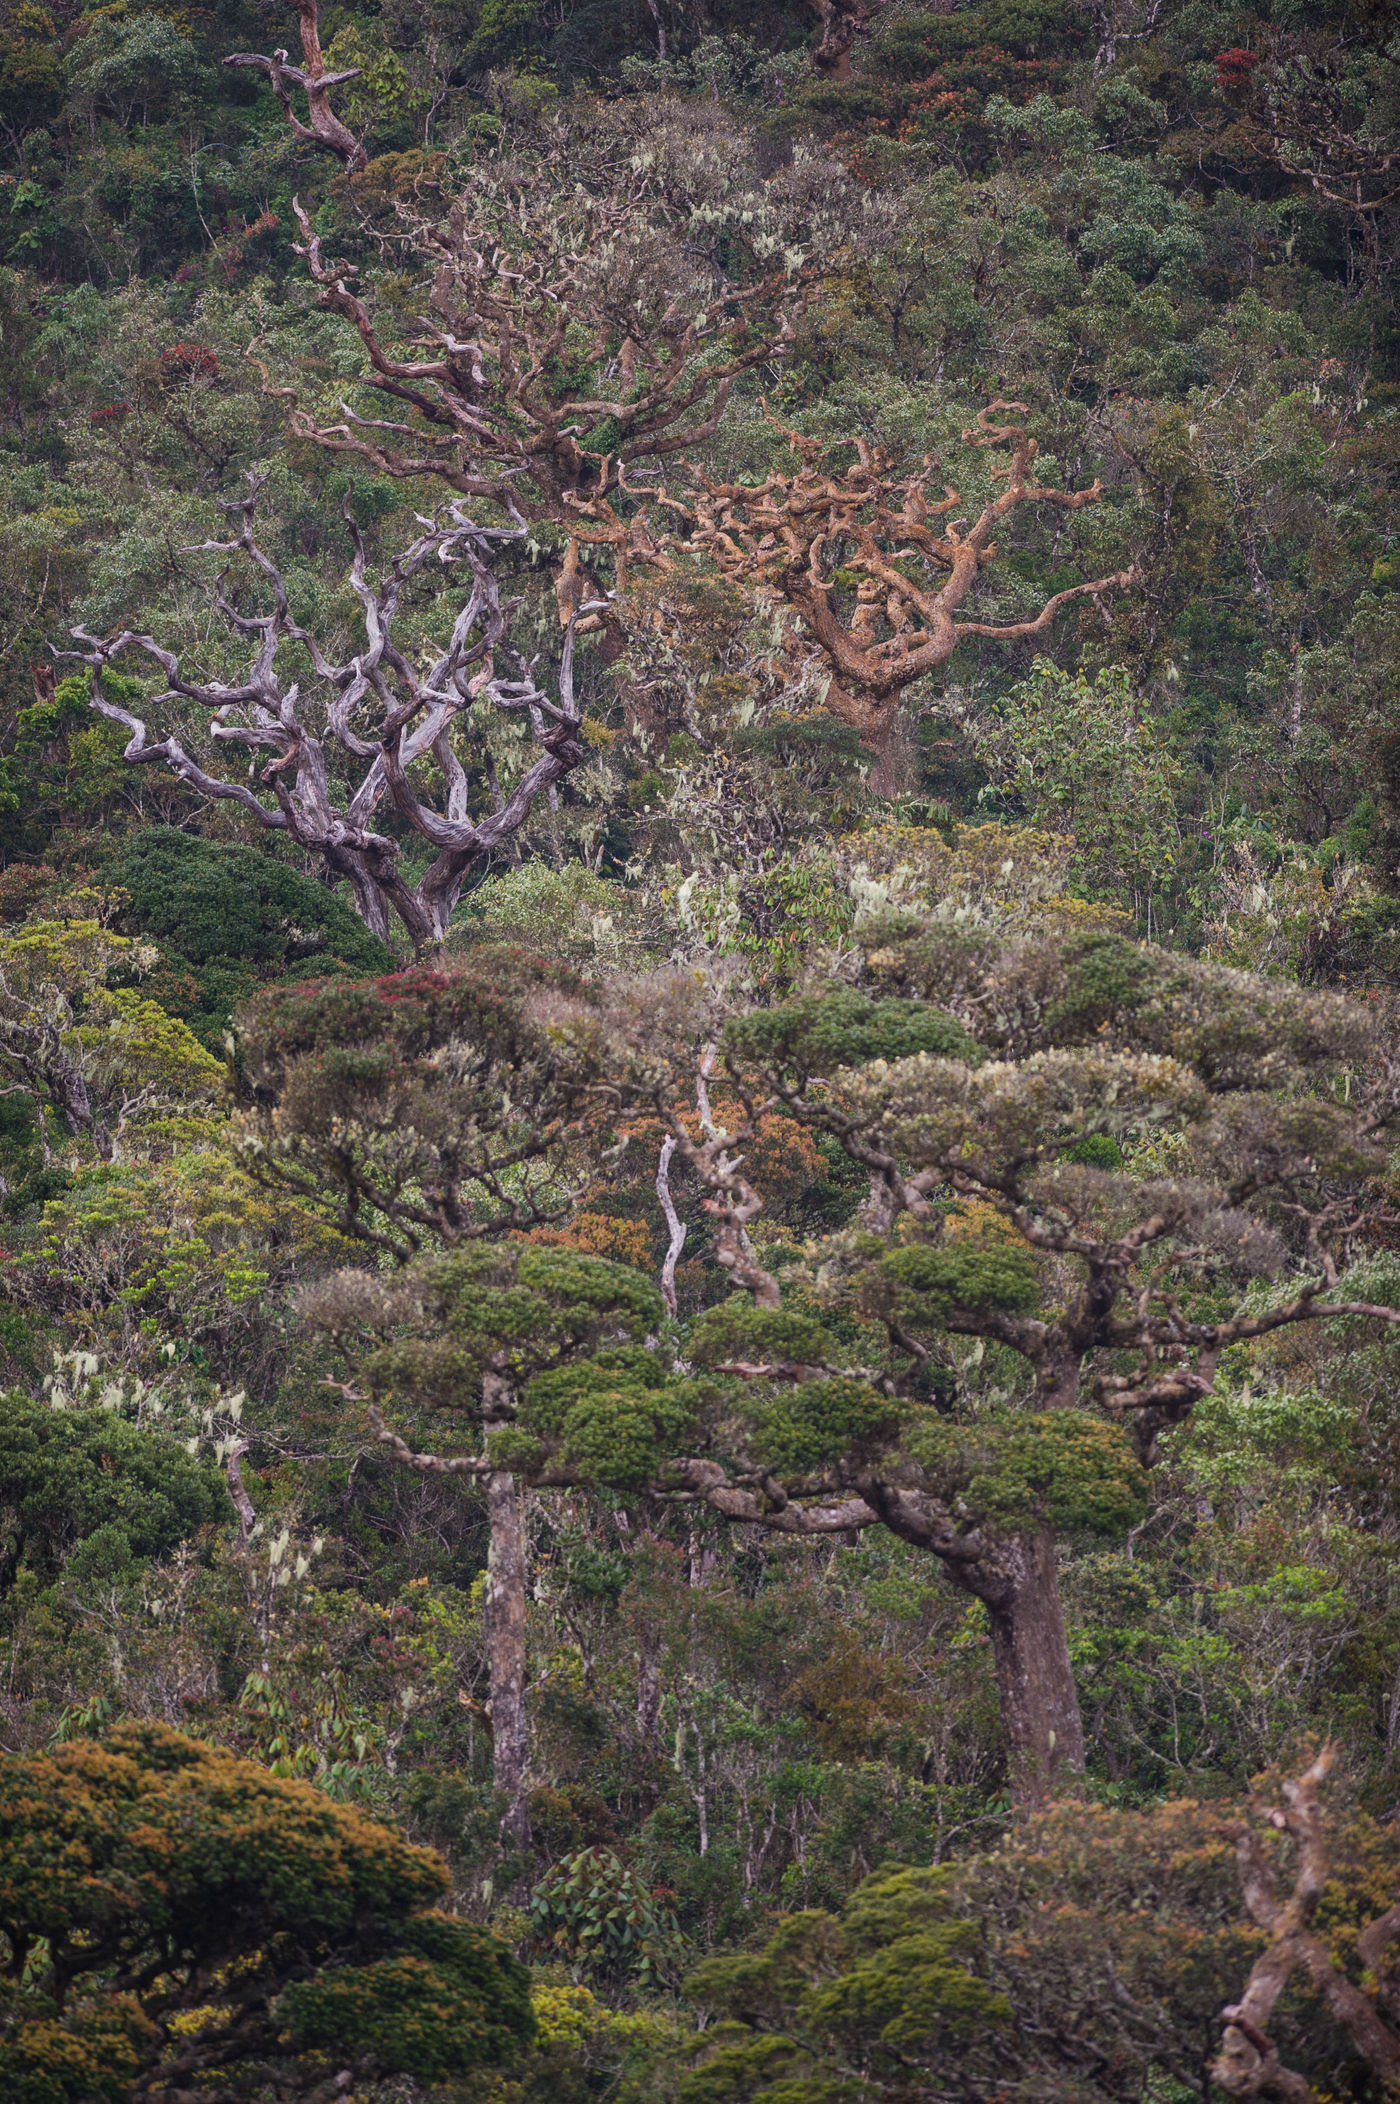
pixel 595 1912
pixel 66 1474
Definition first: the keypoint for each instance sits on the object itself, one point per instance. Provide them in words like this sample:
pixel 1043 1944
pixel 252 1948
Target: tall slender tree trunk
pixel 648 1707
pixel 1039 1700
pixel 505 1652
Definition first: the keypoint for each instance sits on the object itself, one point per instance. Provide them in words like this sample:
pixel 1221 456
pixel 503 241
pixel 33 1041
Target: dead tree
pixel 325 128
pixel 493 381
pixel 376 710
pixel 842 22
pixel 856 555
pixel 1248 2064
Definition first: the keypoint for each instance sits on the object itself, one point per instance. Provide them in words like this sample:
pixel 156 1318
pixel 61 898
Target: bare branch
pixel 377 707
pixel 1248 2064
pixel 675 1226
pixel 325 128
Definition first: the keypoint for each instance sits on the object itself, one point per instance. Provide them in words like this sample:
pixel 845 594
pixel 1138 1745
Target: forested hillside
pixel 699 1079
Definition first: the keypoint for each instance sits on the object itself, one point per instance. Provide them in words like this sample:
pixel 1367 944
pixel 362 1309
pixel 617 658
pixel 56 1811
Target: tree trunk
pixel 881 778
pixel 505 1652
pixel 1039 1701
pixel 648 1710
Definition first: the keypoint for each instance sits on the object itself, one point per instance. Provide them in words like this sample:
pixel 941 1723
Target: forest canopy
pixel 699 1075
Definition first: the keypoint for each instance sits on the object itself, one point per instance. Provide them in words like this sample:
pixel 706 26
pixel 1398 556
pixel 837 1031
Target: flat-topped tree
pixel 432 1111
pixel 425 1110
pixel 878 574
pixel 375 715
pixel 1006 1210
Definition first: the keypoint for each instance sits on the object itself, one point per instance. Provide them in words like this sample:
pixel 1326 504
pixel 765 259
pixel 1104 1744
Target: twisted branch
pixel 377 706
pixel 325 128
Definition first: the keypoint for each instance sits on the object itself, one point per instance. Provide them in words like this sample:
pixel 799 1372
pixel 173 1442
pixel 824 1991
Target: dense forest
pixel 699 1076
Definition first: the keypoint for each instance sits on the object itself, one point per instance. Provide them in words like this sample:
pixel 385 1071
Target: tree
pixel 854 554
pixel 31 75
pixel 123 66
pixel 891 1987
pixel 580 320
pixel 378 709
pixel 473 1339
pixel 103 1059
pixel 228 918
pixel 1117 1279
pixel 426 1110
pixel 1144 1163
pixel 325 129
pixel 174 1915
pixel 184 1250
pixel 214 902
pixel 429 1108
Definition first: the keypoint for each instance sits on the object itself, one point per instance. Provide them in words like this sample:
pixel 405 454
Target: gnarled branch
pixel 325 129
pixel 378 707
pixel 1248 2064
pixel 801 538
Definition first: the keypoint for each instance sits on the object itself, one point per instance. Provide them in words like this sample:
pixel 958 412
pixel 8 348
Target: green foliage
pixel 1085 1952
pixel 736 1329
pixel 450 2002
pixel 227 917
pixel 517 1310
pixel 155 1846
pixel 125 65
pixel 569 913
pixel 845 1028
pixel 65 1475
pixel 595 1913
pixel 613 1418
pixel 890 1981
pixel 99 1059
pixel 97 2053
pixel 799 1429
pixel 964 1276
pixel 1057 1468
pixel 998 200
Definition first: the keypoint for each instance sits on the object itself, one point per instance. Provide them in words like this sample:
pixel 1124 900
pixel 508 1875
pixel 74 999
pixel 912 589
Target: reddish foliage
pixel 1233 69
pixel 184 361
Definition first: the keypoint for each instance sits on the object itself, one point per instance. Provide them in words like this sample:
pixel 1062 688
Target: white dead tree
pixel 375 721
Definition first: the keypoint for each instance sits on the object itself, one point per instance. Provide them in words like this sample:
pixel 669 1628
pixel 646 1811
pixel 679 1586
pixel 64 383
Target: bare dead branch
pixel 377 707
pixel 675 1226
pixel 325 129
pixel 1248 2064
